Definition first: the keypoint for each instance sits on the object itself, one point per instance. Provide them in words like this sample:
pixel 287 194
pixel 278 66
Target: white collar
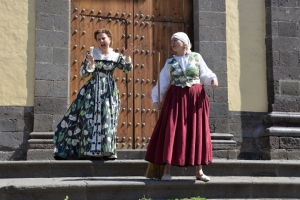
pixel 110 56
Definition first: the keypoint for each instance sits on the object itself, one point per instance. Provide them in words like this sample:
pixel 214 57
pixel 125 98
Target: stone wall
pixel 210 41
pixel 275 135
pixel 16 123
pixel 281 140
pixel 246 128
pixel 283 54
pixel 52 63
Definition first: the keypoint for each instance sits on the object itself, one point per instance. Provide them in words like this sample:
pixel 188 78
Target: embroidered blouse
pixel 183 71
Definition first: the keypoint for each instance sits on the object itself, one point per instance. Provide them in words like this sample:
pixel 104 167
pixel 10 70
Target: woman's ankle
pixel 167 169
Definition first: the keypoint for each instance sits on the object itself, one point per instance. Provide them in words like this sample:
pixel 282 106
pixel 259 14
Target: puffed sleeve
pixel 206 75
pixel 123 65
pixel 164 78
pixel 84 70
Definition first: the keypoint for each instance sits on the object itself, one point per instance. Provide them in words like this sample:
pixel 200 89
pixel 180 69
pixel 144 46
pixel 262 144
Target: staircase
pixel 42 178
pixel 123 179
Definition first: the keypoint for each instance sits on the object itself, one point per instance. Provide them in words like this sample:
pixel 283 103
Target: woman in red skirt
pixel 181 136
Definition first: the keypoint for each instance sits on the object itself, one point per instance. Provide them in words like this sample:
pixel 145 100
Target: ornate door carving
pixel 148 24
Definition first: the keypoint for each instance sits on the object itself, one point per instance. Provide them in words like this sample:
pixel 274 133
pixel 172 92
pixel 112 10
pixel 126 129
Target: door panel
pixel 143 73
pixel 146 24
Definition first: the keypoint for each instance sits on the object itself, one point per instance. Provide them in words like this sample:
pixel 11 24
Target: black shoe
pixel 108 158
pixel 56 157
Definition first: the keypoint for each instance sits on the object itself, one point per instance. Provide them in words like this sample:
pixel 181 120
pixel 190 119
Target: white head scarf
pixel 184 38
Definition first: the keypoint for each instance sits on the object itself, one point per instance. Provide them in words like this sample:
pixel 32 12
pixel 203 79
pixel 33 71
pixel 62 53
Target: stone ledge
pixel 41 135
pixel 40 146
pixel 40 141
pixel 227 142
pixel 281 132
pixel 221 136
pixel 49 135
pixel 282 117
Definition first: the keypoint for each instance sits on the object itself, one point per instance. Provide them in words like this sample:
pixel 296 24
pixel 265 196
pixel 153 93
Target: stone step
pixel 49 135
pixel 47 154
pixel 98 168
pixel 138 187
pixel 48 143
pixel 221 136
pixel 44 140
pixel 41 135
pixel 40 147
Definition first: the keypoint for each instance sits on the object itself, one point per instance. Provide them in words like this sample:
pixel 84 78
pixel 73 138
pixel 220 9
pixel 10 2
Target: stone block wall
pixel 210 42
pixel 52 63
pixel 246 128
pixel 280 147
pixel 283 54
pixel 16 123
pixel 281 140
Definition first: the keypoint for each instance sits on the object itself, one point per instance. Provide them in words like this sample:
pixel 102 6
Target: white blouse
pixel 97 54
pixel 206 75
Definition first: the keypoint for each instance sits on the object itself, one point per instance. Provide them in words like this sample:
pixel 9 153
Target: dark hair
pixel 107 32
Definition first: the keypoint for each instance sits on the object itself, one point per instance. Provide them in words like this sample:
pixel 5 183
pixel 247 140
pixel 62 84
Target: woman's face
pixel 103 41
pixel 177 45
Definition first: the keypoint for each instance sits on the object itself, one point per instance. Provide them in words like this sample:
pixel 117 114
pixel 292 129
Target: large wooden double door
pixel 148 24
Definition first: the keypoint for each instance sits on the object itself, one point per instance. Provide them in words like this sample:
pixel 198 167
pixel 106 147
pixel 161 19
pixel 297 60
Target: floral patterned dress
pixel 89 126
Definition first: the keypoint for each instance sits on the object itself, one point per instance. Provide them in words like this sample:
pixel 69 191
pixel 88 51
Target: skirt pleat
pixel 181 136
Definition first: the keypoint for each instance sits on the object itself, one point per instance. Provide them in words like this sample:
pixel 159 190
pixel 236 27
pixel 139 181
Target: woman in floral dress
pixel 88 128
pixel 181 136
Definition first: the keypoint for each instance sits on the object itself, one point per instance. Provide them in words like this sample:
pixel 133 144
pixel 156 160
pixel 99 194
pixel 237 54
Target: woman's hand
pixel 90 60
pixel 214 83
pixel 127 52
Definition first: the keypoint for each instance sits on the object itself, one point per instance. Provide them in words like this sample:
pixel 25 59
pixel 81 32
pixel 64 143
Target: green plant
pixel 66 198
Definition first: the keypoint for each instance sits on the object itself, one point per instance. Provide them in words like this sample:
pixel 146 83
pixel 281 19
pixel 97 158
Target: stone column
pixel 283 61
pixel 210 42
pixel 281 140
pixel 52 63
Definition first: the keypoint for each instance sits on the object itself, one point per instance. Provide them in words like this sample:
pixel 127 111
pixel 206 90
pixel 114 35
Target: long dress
pixel 181 136
pixel 89 126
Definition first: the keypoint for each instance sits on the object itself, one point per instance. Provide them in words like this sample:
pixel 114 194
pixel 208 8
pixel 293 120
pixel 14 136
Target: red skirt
pixel 181 136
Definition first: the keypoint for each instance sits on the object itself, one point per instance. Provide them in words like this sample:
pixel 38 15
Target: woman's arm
pixel 123 65
pixel 207 77
pixel 87 66
pixel 164 78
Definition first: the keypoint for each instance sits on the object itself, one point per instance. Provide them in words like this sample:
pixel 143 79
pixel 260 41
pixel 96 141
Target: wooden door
pixel 148 24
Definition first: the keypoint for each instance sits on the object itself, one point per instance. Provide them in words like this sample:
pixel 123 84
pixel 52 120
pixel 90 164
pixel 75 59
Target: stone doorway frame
pixel 53 33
